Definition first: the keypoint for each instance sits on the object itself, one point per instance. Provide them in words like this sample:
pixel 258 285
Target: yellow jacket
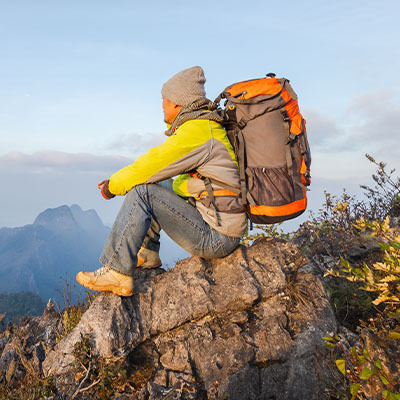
pixel 200 146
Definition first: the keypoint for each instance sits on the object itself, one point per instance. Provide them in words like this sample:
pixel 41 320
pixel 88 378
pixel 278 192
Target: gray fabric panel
pixel 305 148
pixel 211 160
pixel 231 224
pixel 266 139
pixel 249 111
pixel 297 158
pixel 185 164
pixel 220 166
pixel 229 204
pixel 196 186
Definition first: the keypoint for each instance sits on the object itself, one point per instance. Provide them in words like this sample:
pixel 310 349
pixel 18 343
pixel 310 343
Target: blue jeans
pixel 180 220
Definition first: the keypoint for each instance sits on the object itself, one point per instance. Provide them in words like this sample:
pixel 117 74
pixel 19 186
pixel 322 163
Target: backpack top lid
pixel 277 92
pixel 255 87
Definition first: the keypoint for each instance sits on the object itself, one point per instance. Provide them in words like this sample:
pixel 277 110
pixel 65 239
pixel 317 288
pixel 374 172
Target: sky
pixel 80 86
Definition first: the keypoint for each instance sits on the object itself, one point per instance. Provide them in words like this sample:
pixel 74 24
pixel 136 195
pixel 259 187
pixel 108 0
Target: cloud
pixel 376 119
pixel 49 161
pixel 369 104
pixel 34 182
pixel 321 128
pixel 134 143
pixel 369 125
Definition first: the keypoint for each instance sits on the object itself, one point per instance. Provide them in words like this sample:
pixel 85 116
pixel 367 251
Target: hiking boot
pixel 148 258
pixel 106 279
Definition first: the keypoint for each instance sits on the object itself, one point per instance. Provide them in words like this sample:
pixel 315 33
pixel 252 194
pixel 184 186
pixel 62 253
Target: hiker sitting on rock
pixel 200 210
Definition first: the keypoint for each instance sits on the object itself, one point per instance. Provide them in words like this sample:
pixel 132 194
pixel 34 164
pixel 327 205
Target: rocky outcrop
pixel 248 326
pixel 23 348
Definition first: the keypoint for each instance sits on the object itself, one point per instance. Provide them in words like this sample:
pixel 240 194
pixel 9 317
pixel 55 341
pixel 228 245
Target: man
pixel 201 210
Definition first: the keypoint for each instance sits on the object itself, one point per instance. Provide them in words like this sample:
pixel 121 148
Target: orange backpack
pixel 268 134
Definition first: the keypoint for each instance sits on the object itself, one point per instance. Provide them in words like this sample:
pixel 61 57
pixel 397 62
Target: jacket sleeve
pixel 180 153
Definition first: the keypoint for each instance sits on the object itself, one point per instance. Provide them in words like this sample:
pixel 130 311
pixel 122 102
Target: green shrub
pixel 367 375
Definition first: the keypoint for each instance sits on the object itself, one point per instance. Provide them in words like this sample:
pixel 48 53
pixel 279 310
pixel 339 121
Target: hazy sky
pixel 80 86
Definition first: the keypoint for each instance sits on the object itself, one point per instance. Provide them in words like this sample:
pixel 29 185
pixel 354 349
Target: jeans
pixel 180 220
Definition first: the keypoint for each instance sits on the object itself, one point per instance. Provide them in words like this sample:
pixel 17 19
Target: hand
pixel 101 184
pixel 105 191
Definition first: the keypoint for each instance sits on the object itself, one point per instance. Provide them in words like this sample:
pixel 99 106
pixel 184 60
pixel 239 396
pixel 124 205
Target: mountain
pixel 43 256
pixel 15 305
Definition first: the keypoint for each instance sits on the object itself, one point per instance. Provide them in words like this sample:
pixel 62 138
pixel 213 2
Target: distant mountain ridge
pixel 41 256
pixel 15 305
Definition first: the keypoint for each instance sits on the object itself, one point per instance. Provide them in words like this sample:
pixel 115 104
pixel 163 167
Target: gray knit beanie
pixel 185 87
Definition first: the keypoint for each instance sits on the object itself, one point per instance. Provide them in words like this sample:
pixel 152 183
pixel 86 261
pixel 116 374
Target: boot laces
pixel 101 271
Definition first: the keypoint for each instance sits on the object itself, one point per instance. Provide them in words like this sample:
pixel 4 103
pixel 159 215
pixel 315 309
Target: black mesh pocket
pixel 270 186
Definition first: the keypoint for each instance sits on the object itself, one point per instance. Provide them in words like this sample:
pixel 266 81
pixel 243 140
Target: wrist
pixel 105 191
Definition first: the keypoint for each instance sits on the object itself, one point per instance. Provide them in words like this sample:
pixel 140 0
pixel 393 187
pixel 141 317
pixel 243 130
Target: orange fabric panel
pixel 286 96
pixel 292 108
pixel 280 211
pixel 303 167
pixel 222 192
pixel 296 125
pixel 256 87
pixel 195 175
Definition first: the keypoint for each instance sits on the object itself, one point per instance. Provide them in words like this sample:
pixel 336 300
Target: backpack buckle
pixel 291 138
pixel 242 123
pixel 285 116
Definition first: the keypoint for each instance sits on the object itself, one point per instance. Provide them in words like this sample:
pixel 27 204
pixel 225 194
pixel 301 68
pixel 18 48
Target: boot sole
pixel 119 291
pixel 149 266
pixel 142 263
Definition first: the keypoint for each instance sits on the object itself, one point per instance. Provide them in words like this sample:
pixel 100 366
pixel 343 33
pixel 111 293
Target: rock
pixel 7 362
pixel 314 242
pixel 248 326
pixel 3 342
pixel 309 241
pixel 22 350
pixel 319 264
pixel 362 250
pixel 388 352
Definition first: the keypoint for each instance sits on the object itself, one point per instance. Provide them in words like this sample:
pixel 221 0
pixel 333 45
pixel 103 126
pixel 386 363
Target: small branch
pixel 90 386
pixel 80 362
pixel 77 391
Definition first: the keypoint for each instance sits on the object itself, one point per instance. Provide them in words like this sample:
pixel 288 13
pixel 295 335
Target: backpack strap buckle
pixel 242 123
pixel 291 137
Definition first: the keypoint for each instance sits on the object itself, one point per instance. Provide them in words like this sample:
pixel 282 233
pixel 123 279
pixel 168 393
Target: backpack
pixel 268 134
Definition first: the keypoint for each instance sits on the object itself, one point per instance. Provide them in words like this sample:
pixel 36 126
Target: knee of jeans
pixel 133 195
pixel 138 190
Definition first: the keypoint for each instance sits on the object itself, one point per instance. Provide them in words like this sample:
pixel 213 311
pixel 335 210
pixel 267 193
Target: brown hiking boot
pixel 148 258
pixel 106 279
